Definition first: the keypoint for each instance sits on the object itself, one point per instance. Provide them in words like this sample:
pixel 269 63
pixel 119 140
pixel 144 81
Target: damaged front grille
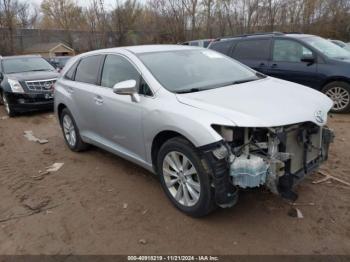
pixel 262 156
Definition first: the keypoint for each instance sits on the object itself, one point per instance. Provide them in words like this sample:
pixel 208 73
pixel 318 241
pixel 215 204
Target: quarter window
pixel 252 50
pixel 289 51
pixel 88 70
pixel 70 74
pixel 117 69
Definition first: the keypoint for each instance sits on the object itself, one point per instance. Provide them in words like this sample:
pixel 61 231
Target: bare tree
pixel 62 14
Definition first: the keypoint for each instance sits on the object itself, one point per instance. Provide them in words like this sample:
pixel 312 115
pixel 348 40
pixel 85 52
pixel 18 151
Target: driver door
pixel 286 63
pixel 120 118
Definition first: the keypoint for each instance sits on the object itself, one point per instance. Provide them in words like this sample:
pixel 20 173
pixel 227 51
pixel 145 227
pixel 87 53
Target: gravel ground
pixel 98 203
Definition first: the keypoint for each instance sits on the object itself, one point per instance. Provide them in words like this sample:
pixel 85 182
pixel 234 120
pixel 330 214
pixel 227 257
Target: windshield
pixel 26 64
pixel 195 70
pixel 327 47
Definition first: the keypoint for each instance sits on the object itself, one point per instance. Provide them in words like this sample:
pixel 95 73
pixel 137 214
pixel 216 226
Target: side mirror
pixel 310 59
pixel 127 87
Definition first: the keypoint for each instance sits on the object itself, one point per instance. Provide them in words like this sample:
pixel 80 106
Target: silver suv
pixel 204 123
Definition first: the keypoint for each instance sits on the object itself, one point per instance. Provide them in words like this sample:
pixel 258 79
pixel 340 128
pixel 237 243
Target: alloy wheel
pixel 181 178
pixel 69 130
pixel 6 104
pixel 340 97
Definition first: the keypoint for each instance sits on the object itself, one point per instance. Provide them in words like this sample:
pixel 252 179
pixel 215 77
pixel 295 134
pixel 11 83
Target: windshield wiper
pixel 260 75
pixel 37 70
pixel 240 81
pixel 192 90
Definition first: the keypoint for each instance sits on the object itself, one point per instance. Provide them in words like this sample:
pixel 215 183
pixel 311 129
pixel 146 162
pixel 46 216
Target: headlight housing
pixel 221 152
pixel 15 86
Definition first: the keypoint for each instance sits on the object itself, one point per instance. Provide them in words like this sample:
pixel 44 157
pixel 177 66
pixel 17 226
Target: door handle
pixel 262 65
pixel 98 100
pixel 274 65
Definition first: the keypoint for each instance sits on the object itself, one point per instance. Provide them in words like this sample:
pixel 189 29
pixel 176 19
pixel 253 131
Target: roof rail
pixel 246 35
pixel 294 33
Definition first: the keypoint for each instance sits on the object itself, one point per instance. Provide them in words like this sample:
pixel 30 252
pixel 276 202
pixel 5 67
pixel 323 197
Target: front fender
pixel 192 123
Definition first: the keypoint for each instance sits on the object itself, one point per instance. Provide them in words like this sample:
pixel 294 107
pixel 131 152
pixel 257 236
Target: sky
pixel 84 3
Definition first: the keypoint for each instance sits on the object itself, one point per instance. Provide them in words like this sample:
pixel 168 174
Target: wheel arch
pixel 159 140
pixel 60 108
pixel 334 79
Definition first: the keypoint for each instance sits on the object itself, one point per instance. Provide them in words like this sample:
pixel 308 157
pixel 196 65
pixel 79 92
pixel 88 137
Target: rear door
pixel 84 91
pixel 254 53
pixel 286 63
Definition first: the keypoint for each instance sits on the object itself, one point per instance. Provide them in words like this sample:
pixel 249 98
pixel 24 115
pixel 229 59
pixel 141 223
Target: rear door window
pixel 88 69
pixel 258 49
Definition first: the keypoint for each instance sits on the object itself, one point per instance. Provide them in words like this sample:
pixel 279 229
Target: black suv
pixel 26 83
pixel 305 59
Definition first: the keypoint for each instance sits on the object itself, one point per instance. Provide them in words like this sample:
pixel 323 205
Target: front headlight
pixel 15 86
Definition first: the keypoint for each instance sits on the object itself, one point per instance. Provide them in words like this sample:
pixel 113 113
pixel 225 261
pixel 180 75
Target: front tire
pixel 8 107
pixel 71 132
pixel 183 177
pixel 339 92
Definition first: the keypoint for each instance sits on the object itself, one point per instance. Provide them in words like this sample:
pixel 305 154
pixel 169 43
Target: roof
pixel 262 35
pixel 138 49
pixel 18 56
pixel 157 48
pixel 46 47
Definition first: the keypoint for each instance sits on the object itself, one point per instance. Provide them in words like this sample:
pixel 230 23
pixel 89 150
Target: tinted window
pixel 88 69
pixel 71 72
pixel 26 64
pixel 222 46
pixel 289 51
pixel 252 50
pixel 144 89
pixel 117 69
pixel 206 43
pixel 194 43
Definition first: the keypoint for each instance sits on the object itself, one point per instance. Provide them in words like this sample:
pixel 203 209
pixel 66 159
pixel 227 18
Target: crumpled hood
pixel 267 102
pixel 39 75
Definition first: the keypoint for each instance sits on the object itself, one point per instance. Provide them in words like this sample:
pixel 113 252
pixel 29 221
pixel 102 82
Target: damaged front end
pixel 277 158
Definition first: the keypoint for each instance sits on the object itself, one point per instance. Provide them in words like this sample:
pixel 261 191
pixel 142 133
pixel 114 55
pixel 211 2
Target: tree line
pixel 173 21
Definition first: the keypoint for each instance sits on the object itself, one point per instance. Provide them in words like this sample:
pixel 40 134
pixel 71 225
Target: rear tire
pixel 184 178
pixel 339 92
pixel 71 132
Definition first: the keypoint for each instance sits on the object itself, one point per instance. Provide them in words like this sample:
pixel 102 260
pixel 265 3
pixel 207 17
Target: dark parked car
pixel 341 44
pixel 200 43
pixel 59 61
pixel 305 59
pixel 26 83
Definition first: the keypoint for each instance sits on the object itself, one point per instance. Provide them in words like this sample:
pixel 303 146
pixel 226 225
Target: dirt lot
pixel 98 203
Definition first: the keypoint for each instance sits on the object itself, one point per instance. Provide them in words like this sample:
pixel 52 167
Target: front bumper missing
pixel 226 194
pixel 284 170
pixel 287 182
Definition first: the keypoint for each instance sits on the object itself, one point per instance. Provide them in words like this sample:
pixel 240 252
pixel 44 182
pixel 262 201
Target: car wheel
pixel 71 132
pixel 8 107
pixel 339 92
pixel 184 178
